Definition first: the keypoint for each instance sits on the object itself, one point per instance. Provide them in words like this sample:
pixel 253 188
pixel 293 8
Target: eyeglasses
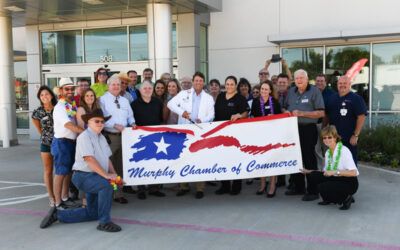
pixel 102 73
pixel 327 137
pixel 117 102
pixel 69 89
pixel 99 121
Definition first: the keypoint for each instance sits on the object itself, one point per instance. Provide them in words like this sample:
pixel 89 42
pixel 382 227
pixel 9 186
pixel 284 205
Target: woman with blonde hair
pixel 338 182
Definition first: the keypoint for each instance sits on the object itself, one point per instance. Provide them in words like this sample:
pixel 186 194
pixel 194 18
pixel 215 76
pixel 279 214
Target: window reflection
pixel 62 47
pixel 339 59
pixel 106 45
pixel 138 43
pixel 309 59
pixel 386 75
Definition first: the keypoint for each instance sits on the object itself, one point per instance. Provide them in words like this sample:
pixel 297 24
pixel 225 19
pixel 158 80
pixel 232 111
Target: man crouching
pixel 93 171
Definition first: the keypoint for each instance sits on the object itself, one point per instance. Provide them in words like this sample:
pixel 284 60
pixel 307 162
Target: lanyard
pixel 271 106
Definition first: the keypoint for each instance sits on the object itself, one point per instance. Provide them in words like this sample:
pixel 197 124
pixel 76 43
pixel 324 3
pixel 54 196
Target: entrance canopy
pixel 33 12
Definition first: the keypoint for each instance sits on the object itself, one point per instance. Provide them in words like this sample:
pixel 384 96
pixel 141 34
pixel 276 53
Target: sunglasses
pixel 117 102
pixel 98 121
pixel 102 73
pixel 327 137
pixel 69 89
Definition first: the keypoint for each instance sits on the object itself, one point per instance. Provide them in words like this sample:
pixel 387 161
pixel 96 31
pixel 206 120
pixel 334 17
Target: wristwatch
pixel 337 172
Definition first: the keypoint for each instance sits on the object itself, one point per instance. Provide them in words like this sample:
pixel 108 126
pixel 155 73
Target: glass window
pixel 138 43
pixel 106 45
pixel 386 75
pixel 339 59
pixel 204 52
pixel 387 118
pixel 174 42
pixel 309 59
pixel 62 47
pixel 21 85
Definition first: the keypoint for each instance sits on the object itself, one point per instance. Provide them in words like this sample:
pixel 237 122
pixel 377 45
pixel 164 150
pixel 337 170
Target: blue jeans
pixel 98 192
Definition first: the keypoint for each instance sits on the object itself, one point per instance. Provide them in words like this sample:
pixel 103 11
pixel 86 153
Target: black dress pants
pixel 334 189
pixel 236 185
pixel 308 139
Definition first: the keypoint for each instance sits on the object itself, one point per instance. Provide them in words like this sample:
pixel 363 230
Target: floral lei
pixel 71 113
pixel 337 157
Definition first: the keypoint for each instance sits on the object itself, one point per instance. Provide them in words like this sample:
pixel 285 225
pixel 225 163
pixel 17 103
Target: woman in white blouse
pixel 338 181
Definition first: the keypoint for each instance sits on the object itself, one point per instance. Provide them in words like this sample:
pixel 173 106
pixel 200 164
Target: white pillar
pixel 159 30
pixel 7 92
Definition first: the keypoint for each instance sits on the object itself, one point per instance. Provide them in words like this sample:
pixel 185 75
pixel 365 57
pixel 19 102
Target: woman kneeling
pixel 92 174
pixel 338 182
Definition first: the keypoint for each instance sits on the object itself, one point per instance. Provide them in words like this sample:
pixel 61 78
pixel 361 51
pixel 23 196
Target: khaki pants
pixel 116 159
pixel 199 186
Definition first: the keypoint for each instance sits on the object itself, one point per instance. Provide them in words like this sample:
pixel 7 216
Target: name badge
pixel 231 104
pixel 267 107
pixel 304 101
pixel 343 112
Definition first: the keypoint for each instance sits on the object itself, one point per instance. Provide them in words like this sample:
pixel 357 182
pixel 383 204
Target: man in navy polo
pixel 346 110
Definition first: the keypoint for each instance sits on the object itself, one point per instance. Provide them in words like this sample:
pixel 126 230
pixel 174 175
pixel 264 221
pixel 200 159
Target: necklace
pixel 335 165
pixel 71 113
pixel 271 106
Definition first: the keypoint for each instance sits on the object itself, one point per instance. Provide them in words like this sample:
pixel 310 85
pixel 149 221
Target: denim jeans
pixel 98 192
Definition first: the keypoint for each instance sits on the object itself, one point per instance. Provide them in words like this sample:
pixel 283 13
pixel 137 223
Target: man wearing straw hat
pixel 92 172
pixel 63 145
pixel 125 80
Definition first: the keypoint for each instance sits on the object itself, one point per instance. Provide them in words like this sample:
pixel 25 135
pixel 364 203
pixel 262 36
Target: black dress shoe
pixel 260 192
pixel 293 192
pixel 347 203
pixel 222 191
pixel 310 197
pixel 271 195
pixel 121 200
pixel 182 192
pixel 157 193
pixel 199 194
pixel 141 195
pixel 235 191
pixel 324 203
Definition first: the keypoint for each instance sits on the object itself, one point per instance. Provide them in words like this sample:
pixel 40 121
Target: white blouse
pixel 346 161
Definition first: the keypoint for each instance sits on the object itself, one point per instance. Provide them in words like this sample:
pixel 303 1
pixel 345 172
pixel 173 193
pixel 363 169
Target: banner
pixel 248 148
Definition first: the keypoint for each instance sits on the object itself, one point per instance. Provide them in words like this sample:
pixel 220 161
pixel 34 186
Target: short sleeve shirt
pixel 61 117
pixel 46 124
pixel 343 113
pixel 310 100
pixel 256 107
pixel 225 108
pixel 346 161
pixel 91 144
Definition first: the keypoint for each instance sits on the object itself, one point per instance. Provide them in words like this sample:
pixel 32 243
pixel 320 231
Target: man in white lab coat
pixel 197 106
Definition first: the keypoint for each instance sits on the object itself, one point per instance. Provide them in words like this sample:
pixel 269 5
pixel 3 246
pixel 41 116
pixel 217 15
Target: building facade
pixel 219 38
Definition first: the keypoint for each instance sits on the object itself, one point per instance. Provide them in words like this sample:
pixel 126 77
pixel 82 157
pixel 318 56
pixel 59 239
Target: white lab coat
pixel 183 102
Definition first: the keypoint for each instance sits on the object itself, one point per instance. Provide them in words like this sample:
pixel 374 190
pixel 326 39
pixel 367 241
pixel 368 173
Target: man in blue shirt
pixel 346 110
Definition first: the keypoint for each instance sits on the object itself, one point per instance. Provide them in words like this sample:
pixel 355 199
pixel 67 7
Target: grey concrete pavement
pixel 246 221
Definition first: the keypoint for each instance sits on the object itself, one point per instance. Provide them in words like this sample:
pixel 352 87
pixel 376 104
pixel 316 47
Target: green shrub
pixel 380 144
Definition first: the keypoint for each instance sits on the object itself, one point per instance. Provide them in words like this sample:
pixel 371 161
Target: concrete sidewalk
pixel 246 221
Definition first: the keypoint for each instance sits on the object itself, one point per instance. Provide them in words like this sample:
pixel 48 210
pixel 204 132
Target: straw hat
pixel 123 76
pixel 64 82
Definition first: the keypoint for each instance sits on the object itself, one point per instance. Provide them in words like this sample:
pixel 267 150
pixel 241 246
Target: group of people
pixel 81 134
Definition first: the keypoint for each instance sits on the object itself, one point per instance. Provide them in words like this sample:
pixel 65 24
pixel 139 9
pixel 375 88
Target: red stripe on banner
pixel 164 129
pixel 228 141
pixel 256 119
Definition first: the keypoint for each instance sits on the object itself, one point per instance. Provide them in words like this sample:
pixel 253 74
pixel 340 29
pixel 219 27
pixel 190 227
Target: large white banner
pixel 249 148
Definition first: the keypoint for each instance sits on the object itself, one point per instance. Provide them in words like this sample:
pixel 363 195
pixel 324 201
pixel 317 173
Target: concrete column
pixel 159 30
pixel 33 65
pixel 188 30
pixel 8 126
